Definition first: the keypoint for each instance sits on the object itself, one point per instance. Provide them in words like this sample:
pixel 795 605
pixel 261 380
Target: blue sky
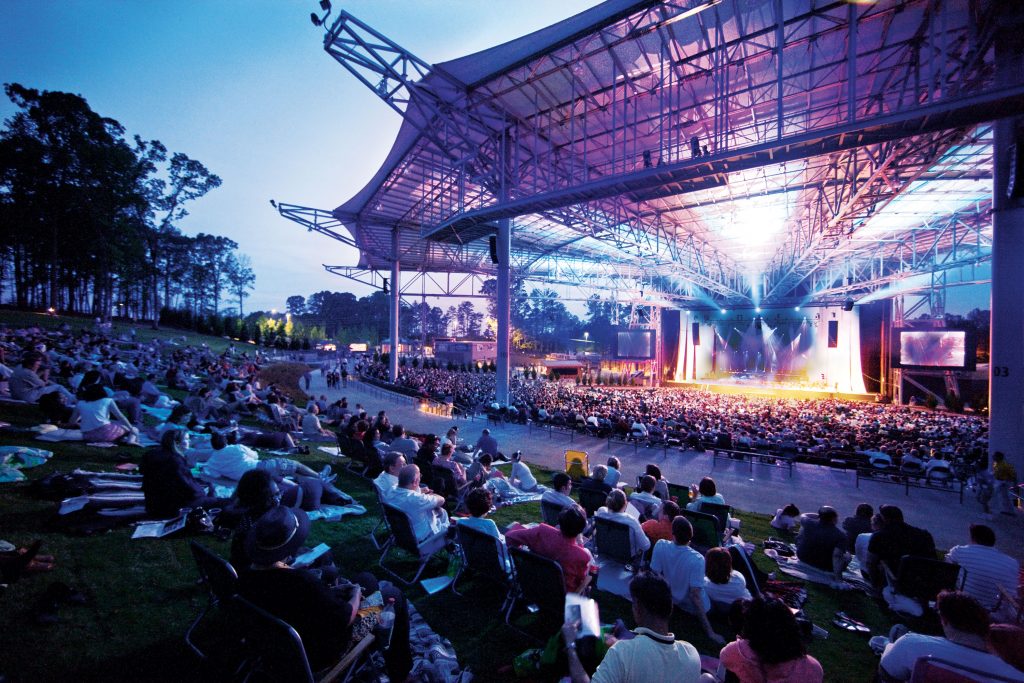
pixel 246 88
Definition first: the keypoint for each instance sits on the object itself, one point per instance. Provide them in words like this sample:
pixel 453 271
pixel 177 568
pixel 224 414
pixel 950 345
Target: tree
pixel 89 216
pixel 295 304
pixel 238 271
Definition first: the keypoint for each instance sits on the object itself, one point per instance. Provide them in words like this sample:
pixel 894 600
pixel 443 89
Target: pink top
pixel 738 658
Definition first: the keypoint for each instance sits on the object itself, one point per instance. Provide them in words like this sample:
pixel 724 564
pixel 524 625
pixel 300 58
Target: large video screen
pixel 936 349
pixel 634 344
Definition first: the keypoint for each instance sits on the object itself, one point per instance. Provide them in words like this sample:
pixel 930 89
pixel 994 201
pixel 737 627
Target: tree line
pixel 89 218
pixel 540 321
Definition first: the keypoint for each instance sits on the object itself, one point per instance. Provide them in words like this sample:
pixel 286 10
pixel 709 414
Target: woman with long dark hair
pixel 770 648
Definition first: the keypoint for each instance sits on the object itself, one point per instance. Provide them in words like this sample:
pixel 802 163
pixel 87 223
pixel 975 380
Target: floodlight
pixel 724 311
pixel 315 19
pixel 325 5
pixel 757 309
pixel 273 203
pixel 796 308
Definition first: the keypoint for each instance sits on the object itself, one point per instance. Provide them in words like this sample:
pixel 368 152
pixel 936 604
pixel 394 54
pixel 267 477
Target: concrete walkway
pixel 764 489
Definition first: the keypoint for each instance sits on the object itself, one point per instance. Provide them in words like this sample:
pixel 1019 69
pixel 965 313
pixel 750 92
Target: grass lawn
pixel 143 594
pixel 143 331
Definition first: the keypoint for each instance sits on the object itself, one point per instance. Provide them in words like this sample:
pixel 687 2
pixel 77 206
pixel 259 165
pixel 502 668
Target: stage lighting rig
pixel 325 6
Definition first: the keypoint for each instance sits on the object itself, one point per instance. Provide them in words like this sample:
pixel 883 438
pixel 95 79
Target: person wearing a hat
pixel 822 544
pixel 324 617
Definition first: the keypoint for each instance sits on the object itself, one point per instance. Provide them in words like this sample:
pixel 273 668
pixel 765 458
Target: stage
pixel 753 386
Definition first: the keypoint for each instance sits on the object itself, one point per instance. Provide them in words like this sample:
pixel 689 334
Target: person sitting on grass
pixel 481 471
pixel 28 382
pixel 232 460
pixel 859 524
pixel 770 647
pixel 648 654
pixel 167 482
pixel 312 430
pixel 786 519
pixel 100 419
pixel 822 545
pixel 521 477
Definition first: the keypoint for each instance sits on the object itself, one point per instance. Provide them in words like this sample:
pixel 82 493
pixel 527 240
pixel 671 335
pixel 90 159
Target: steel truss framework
pixel 729 153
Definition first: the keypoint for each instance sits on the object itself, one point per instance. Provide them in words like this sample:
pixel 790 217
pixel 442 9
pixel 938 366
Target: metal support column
pixel 1006 380
pixel 396 286
pixel 503 310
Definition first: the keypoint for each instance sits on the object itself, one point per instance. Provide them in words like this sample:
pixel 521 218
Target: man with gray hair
pixel 596 480
pixel 426 510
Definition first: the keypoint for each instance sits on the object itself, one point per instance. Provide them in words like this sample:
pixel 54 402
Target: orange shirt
pixel 658 530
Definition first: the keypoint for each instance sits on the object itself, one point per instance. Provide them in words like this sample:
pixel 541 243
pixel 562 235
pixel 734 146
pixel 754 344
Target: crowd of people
pixel 100 385
pixel 693 418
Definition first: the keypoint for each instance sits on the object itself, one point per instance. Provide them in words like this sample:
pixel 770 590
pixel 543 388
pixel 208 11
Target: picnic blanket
pixel 434 658
pixel 505 494
pixel 13 459
pixel 161 414
pixel 792 566
pixel 53 433
pixel 333 513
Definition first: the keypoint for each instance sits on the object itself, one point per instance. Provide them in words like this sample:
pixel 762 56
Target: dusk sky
pixel 246 88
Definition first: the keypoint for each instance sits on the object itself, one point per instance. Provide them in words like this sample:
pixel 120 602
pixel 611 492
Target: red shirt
pixel 547 541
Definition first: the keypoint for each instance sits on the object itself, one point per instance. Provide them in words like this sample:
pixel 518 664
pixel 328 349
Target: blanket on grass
pixel 434 658
pixel 14 459
pixel 792 566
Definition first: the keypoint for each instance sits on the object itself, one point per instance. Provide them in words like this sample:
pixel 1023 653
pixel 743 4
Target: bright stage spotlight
pixel 724 311
pixel 796 308
pixel 757 310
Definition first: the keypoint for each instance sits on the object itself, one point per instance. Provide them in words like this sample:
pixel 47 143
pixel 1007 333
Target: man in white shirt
pixel 426 510
pixel 229 461
pixel 387 481
pixel 683 569
pixel 985 567
pixel 965 624
pixel 651 653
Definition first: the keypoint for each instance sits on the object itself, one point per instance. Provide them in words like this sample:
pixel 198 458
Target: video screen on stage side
pixel 936 349
pixel 634 344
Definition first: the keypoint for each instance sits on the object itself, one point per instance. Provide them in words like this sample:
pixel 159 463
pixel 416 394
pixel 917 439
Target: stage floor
pixel 753 387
